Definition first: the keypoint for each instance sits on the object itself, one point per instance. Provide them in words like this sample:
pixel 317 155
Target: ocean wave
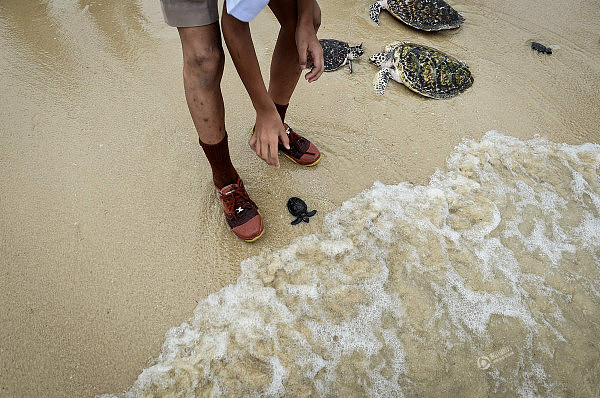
pixel 485 281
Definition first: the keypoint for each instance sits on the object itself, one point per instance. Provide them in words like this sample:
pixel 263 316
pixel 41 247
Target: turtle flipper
pixel 311 213
pixel 350 65
pixel 381 81
pixel 297 220
pixel 306 219
pixel 374 11
pixel 377 59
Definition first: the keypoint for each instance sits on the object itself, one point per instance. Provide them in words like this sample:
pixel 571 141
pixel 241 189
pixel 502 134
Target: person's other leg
pixel 285 67
pixel 203 61
pixel 285 72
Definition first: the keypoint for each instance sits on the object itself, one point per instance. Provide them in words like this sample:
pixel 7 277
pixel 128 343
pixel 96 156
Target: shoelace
pixel 236 200
pixel 295 140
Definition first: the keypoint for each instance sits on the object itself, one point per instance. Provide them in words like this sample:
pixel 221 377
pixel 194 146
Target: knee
pixel 205 63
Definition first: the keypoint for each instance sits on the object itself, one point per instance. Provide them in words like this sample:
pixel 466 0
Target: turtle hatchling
pixel 422 69
pixel 429 15
pixel 540 48
pixel 298 209
pixel 338 53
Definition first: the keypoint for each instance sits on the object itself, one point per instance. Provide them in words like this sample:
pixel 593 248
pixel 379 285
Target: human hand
pixel 309 47
pixel 265 138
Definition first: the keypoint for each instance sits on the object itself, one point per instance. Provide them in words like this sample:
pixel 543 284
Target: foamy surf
pixel 484 282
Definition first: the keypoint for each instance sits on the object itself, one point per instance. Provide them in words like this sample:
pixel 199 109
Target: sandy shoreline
pixel 110 229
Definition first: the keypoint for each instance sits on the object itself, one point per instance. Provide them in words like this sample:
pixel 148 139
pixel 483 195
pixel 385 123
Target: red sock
pixel 281 109
pixel 218 156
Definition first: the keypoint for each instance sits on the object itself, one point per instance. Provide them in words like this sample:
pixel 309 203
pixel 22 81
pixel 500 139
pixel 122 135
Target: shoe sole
pixel 253 239
pixel 307 165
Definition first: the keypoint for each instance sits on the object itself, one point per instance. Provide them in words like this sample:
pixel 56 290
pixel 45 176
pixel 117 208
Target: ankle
pixel 218 156
pixel 281 109
pixel 223 179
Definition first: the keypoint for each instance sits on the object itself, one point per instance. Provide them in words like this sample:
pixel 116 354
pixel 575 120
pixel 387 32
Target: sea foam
pixel 486 281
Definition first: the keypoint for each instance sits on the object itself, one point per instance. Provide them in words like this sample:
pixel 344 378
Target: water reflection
pixel 65 39
pixel 122 25
pixel 32 31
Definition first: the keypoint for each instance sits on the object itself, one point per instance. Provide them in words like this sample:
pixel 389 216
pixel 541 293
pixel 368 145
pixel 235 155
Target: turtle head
pixel 356 51
pixel 378 59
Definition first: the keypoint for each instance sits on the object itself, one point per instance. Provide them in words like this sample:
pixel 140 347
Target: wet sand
pixel 111 232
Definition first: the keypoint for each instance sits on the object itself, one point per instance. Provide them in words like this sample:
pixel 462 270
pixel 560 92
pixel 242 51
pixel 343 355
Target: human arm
pixel 268 128
pixel 306 40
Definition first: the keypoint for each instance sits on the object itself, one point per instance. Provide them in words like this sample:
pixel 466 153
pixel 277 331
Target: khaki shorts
pixel 188 13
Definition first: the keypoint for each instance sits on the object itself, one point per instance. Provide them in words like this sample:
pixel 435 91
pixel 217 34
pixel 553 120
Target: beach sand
pixel 110 229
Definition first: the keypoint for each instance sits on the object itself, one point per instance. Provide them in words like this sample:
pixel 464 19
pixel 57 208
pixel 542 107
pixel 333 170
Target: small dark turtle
pixel 429 15
pixel 298 209
pixel 423 69
pixel 540 48
pixel 338 53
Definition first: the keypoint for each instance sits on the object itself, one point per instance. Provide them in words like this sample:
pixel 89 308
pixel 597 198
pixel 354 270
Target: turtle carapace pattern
pixel 429 15
pixel 298 209
pixel 337 53
pixel 422 69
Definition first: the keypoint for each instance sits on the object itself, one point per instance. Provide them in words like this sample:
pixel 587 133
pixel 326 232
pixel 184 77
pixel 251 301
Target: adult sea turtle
pixel 422 69
pixel 337 53
pixel 427 15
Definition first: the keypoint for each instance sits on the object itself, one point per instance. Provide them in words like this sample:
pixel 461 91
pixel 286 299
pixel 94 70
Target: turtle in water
pixel 338 53
pixel 298 209
pixel 424 70
pixel 427 15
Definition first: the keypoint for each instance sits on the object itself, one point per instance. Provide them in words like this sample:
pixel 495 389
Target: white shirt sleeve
pixel 245 10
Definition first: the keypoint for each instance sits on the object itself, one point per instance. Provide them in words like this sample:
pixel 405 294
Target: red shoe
pixel 241 213
pixel 301 151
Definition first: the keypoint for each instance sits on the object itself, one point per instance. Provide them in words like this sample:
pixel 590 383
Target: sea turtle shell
pixel 335 53
pixel 430 72
pixel 429 15
pixel 296 206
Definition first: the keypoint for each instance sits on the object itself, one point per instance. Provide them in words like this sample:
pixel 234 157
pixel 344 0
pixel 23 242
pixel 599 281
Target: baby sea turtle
pixel 427 15
pixel 298 209
pixel 338 53
pixel 424 70
pixel 540 48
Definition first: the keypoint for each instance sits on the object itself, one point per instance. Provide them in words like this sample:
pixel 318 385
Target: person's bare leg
pixel 285 67
pixel 285 72
pixel 203 61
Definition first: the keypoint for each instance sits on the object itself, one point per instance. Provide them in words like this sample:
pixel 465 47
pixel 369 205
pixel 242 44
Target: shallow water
pixel 484 282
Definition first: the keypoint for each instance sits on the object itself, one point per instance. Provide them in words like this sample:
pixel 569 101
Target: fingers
pixel 302 55
pixel 273 157
pixel 284 139
pixel 316 53
pixel 266 150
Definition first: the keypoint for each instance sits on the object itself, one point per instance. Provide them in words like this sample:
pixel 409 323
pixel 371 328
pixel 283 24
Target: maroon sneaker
pixel 301 151
pixel 241 213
